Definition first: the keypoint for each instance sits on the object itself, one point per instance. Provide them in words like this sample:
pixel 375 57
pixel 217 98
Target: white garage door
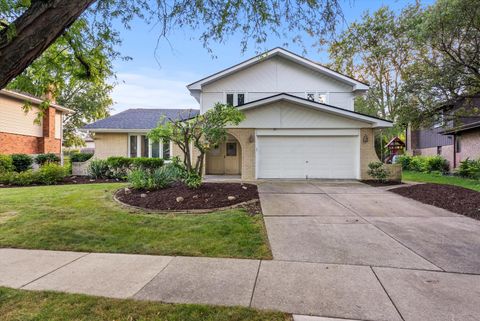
pixel 307 156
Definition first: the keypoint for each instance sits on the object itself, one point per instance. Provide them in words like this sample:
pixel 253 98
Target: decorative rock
pixel 143 195
pixel 179 199
pixel 195 197
pixel 231 198
pixel 244 187
pixel 126 190
pixel 92 180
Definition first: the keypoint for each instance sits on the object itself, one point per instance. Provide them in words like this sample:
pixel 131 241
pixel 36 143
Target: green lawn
pixel 85 218
pixel 25 306
pixel 440 179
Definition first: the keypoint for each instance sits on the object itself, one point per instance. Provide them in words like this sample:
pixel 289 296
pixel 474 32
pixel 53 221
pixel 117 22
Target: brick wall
pixel 11 143
pixel 18 144
pixel 470 145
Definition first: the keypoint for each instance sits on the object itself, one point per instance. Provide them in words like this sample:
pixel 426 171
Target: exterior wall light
pixel 365 138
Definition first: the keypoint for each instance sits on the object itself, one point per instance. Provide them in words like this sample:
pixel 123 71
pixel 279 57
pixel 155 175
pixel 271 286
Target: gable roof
pixel 32 99
pixel 357 85
pixel 139 119
pixel 375 122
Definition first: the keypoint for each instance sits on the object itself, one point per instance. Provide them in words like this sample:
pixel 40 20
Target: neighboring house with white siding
pixel 299 121
pixel 20 133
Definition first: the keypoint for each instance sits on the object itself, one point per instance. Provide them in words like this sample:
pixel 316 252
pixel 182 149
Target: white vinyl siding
pixel 14 120
pixel 277 75
pixel 58 125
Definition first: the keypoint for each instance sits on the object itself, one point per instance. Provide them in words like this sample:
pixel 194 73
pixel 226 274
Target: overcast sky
pixel 159 81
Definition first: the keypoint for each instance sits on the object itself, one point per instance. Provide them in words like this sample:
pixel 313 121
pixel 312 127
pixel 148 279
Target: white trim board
pixel 357 85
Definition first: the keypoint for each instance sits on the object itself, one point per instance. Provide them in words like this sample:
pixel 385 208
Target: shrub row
pixel 23 162
pixel 160 178
pixel 48 174
pixel 80 157
pixel 469 168
pixel 425 164
pixel 120 167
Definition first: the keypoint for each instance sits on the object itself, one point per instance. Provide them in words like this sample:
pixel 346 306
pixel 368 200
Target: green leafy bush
pixel 22 162
pixel 119 166
pixel 147 164
pixel 98 168
pixel 193 180
pixel 425 164
pixel 6 163
pixel 80 157
pixel 469 168
pixel 51 173
pixel 378 171
pixel 47 158
pixel 25 178
pixel 160 178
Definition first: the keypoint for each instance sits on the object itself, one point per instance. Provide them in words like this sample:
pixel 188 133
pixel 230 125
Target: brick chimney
pixel 48 143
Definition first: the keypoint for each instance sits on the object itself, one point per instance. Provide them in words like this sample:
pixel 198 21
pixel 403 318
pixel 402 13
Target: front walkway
pixel 341 250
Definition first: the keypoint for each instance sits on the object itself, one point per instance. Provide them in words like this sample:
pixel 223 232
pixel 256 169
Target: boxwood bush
pixel 80 157
pixel 22 162
pixel 120 167
pixel 48 174
pixel 6 163
pixel 47 158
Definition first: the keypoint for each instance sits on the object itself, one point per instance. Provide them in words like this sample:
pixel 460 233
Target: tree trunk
pixel 34 31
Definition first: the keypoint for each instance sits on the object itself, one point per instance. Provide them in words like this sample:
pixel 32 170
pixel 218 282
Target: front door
pixel 216 160
pixel 232 157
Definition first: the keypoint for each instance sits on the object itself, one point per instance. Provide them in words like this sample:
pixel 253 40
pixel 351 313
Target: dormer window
pixel 235 99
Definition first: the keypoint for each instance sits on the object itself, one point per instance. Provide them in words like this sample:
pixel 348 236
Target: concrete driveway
pixel 426 260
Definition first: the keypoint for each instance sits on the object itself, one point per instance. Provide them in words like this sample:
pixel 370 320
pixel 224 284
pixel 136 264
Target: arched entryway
pixel 225 159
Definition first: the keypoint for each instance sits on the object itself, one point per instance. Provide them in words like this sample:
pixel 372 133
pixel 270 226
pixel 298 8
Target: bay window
pixel 141 146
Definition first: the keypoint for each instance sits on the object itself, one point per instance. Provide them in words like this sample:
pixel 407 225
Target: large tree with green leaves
pixel 29 27
pixel 377 49
pixel 447 66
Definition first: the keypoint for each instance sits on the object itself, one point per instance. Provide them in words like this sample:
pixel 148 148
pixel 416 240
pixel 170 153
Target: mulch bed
pixel 380 184
pixel 208 196
pixel 453 198
pixel 73 180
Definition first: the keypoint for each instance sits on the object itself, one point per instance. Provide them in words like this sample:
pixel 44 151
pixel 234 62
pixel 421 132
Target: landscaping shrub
pixel 378 171
pixel 51 173
pixel 119 166
pixel 193 180
pixel 6 163
pixel 98 168
pixel 160 178
pixel 80 157
pixel 469 168
pixel 25 178
pixel 47 158
pixel 22 162
pixel 147 164
pixel 425 164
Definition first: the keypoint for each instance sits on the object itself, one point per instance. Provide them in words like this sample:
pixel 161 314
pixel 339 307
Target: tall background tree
pixel 29 27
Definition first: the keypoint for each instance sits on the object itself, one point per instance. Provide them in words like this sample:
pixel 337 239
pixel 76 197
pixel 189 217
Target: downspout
pixel 454 151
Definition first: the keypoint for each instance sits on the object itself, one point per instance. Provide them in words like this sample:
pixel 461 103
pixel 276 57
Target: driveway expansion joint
pixel 388 295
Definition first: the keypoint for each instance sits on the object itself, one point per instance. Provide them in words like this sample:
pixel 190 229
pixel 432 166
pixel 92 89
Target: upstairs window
pixel 235 99
pixel 240 99
pixel 230 99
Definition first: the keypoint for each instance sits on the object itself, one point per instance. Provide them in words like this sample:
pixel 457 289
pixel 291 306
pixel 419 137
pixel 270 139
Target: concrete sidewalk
pixel 335 290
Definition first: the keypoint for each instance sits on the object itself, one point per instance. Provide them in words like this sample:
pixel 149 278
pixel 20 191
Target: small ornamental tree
pixel 202 132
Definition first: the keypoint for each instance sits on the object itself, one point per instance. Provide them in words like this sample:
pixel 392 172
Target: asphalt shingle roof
pixel 141 118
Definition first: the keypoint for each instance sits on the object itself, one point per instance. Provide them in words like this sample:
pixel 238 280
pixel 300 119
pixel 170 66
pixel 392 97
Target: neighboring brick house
pixel 456 140
pixel 19 133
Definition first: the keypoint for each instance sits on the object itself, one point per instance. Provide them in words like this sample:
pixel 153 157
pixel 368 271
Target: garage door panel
pixel 307 156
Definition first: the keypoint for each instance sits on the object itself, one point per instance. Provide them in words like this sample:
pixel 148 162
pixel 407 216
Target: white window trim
pixel 235 97
pixel 150 142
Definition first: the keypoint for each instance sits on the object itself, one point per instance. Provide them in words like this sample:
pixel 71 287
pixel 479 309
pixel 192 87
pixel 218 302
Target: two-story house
pixel 21 133
pixel 456 136
pixel 300 122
